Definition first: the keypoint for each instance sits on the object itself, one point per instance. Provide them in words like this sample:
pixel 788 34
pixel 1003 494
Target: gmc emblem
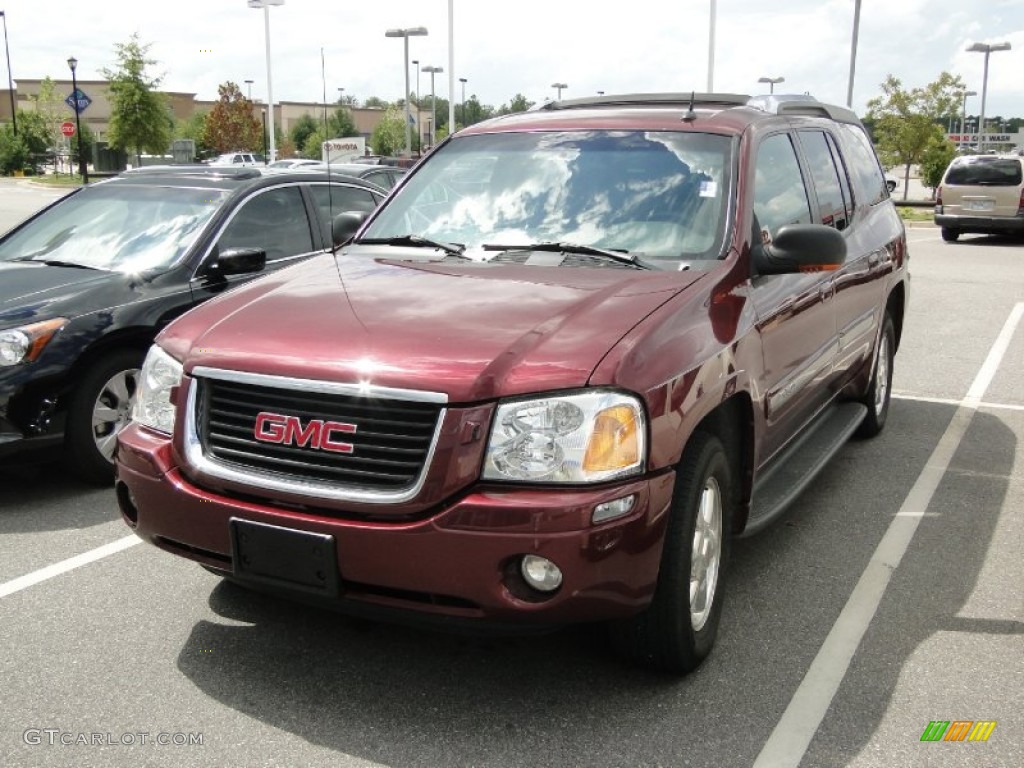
pixel 317 434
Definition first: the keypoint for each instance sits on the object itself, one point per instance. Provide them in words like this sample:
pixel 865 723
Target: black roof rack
pixel 650 100
pixel 774 104
pixel 204 171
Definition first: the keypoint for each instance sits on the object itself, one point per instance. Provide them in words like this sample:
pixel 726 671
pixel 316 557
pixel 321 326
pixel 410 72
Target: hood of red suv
pixel 471 331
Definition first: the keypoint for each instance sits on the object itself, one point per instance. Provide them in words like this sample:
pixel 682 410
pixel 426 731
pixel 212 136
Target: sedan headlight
pixel 26 343
pixel 581 438
pixel 153 406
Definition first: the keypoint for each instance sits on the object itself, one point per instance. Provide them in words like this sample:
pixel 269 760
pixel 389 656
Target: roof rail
pixel 206 171
pixel 650 100
pixel 801 104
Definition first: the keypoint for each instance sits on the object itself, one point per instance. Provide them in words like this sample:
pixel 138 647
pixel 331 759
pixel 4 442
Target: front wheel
pixel 678 629
pixel 880 392
pixel 101 407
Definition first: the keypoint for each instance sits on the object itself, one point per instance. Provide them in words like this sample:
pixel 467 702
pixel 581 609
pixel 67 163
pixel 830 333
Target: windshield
pixel 659 195
pixel 117 227
pixel 992 171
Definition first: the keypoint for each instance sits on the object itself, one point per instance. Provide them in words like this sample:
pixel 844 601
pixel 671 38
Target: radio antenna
pixel 327 143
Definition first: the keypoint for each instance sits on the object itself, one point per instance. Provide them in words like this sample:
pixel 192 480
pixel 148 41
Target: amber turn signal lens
pixel 614 443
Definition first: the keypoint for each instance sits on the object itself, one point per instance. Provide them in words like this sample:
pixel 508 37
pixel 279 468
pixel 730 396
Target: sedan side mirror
pixel 238 261
pixel 345 225
pixel 801 248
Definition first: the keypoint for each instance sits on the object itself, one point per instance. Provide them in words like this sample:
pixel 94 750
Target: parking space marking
pixel 792 735
pixel 50 571
pixel 953 401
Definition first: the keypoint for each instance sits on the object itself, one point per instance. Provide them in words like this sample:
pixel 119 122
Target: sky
pixel 524 46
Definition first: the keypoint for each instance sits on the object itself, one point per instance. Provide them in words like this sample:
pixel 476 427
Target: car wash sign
pixel 78 101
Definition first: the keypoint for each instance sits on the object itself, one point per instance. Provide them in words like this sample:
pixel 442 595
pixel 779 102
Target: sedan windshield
pixel 658 195
pixel 116 227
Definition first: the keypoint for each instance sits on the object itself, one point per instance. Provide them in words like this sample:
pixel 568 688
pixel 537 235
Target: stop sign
pixel 67 128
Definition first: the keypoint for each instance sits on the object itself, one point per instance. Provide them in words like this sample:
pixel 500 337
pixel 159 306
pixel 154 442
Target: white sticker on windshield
pixel 709 189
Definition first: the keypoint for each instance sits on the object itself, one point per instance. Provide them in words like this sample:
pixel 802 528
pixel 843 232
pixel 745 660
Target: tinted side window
pixel 844 179
pixel 780 196
pixel 337 198
pixel 831 205
pixel 868 179
pixel 274 220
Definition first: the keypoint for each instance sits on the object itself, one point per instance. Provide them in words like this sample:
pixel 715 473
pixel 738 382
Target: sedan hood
pixel 471 331
pixel 30 289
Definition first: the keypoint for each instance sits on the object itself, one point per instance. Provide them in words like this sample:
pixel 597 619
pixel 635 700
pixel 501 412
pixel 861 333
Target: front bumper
pixel 457 564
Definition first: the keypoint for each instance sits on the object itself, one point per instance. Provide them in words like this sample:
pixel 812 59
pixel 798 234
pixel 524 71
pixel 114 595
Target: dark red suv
pixel 575 352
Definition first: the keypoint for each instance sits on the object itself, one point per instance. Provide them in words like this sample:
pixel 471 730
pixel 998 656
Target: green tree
pixel 937 157
pixel 88 140
pixel 907 122
pixel 50 107
pixel 14 153
pixel 194 128
pixel 473 111
pixel 232 124
pixel 34 134
pixel 519 103
pixel 374 101
pixel 301 130
pixel 140 119
pixel 341 124
pixel 389 135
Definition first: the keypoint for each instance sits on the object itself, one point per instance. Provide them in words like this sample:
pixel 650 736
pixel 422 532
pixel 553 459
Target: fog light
pixel 540 573
pixel 612 509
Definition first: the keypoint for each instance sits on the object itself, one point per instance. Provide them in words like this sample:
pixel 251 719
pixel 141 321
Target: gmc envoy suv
pixel 573 354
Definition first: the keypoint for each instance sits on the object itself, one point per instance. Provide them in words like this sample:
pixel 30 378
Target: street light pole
pixel 406 34
pixel 463 81
pixel 853 53
pixel 82 168
pixel 249 83
pixel 771 82
pixel 10 81
pixel 558 87
pixel 265 5
pixel 986 49
pixel 711 49
pixel 433 101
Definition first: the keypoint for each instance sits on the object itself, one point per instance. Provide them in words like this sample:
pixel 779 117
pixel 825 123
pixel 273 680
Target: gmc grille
pixel 391 445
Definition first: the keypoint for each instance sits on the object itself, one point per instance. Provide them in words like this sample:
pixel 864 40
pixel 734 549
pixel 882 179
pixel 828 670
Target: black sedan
pixel 87 283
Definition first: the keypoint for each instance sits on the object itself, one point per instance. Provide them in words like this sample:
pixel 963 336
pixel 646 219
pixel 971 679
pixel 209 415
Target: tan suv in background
pixel 981 193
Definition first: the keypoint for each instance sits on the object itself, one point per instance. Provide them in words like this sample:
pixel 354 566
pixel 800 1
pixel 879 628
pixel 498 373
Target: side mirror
pixel 238 261
pixel 345 225
pixel 801 248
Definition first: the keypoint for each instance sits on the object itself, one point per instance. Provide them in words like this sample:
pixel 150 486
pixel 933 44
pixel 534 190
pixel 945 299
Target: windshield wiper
pixel 452 249
pixel 59 263
pixel 622 257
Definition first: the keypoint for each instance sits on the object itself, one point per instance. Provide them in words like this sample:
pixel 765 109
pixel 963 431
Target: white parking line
pixel 791 737
pixel 953 401
pixel 31 579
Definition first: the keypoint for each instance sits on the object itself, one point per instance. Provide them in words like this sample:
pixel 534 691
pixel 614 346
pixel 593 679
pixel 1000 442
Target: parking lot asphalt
pixel 805 672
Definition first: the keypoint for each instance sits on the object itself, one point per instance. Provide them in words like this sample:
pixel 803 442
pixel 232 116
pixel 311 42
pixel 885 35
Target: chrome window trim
pixel 308 488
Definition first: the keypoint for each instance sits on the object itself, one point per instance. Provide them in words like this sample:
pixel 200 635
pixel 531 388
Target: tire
pixel 100 407
pixel 950 235
pixel 879 394
pixel 676 632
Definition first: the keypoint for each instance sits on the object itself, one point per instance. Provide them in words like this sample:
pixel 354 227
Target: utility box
pixel 184 151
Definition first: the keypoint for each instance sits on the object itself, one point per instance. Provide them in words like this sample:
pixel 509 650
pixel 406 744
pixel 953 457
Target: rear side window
pixel 274 220
pixel 831 201
pixel 336 198
pixel 868 179
pixel 987 171
pixel 780 196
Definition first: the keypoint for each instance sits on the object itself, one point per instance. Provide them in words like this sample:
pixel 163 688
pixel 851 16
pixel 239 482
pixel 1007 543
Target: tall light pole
pixel 341 95
pixel 416 66
pixel 963 115
pixel 82 168
pixel 433 100
pixel 463 81
pixel 711 49
pixel 405 34
pixel 853 52
pixel 265 5
pixel 771 82
pixel 451 66
pixel 10 81
pixel 558 87
pixel 249 83
pixel 986 49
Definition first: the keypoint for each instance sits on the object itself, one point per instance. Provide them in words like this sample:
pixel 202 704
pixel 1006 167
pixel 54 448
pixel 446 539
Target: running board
pixel 791 473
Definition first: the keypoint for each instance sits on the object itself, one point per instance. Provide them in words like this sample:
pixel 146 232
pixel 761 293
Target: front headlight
pixel 153 406
pixel 581 438
pixel 26 343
